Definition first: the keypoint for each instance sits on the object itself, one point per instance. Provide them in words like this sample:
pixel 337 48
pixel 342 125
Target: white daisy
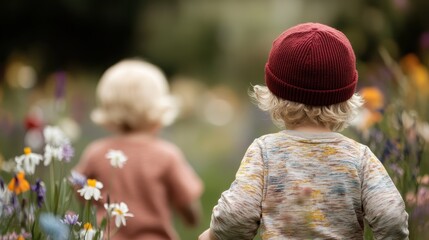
pixel 117 158
pixel 109 208
pixel 54 136
pixel 88 233
pixel 91 189
pixel 52 152
pixel 120 211
pixel 28 161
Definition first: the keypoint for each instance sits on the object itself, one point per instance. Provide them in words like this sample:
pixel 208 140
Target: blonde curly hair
pixel 290 114
pixel 133 95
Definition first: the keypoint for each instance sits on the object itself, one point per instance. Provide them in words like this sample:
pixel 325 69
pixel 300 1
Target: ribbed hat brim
pixel 310 97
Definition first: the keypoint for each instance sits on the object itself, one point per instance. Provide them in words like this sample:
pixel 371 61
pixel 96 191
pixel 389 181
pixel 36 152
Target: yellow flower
pixel 19 184
pixel 373 97
pixel 87 226
pixel 418 73
pixel 370 114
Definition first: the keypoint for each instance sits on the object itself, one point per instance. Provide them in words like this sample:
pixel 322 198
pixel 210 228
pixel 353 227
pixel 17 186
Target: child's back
pixel 309 182
pixel 134 102
pixel 154 177
pixel 312 186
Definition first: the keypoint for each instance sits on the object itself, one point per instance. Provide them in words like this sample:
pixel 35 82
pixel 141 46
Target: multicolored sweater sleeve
pixel 309 186
pixel 382 204
pixel 238 213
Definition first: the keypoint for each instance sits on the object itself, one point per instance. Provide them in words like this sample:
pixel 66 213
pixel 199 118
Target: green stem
pixel 52 182
pixel 87 211
pixel 8 224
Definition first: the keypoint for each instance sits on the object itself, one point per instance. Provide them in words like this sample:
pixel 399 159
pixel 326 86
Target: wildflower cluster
pixel 29 209
pixel 394 124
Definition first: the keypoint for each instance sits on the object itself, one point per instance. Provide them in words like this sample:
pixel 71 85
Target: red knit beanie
pixel 313 64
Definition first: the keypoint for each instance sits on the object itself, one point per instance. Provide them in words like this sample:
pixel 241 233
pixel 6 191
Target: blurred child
pixel 309 182
pixel 134 103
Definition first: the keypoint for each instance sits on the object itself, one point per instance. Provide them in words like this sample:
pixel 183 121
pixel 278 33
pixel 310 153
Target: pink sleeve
pixel 183 184
pixel 84 166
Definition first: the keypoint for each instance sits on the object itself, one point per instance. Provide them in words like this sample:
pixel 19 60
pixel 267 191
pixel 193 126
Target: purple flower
pixel 71 219
pixel 8 210
pixel 60 86
pixel 68 152
pixel 77 179
pixel 14 203
pixel 391 149
pixel 40 190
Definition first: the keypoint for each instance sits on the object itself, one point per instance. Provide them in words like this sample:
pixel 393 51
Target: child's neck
pixel 152 131
pixel 311 128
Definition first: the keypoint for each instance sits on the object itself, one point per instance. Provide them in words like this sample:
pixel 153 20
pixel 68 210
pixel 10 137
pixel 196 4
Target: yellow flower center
pixel 20 237
pixel 27 151
pixel 91 182
pixel 87 226
pixel 119 211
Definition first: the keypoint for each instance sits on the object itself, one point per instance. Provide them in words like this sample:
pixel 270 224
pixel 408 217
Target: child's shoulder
pixel 161 148
pixel 166 146
pixel 155 143
pixel 331 138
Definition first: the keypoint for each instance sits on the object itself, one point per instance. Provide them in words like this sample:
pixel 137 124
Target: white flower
pixel 54 136
pixel 5 197
pixel 120 211
pixel 52 152
pixel 34 138
pixel 423 130
pixel 70 128
pixel 109 208
pixel 88 233
pixel 408 119
pixel 28 161
pixel 117 158
pixel 91 189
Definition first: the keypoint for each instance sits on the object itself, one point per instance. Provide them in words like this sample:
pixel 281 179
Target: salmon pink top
pixel 155 179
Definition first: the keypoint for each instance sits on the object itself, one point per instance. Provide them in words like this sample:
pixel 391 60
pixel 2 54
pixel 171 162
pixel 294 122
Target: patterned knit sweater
pixel 295 185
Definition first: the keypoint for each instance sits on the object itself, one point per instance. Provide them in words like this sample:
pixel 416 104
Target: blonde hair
pixel 290 114
pixel 133 95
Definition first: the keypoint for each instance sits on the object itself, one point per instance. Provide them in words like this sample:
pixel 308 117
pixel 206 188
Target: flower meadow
pixel 394 124
pixel 60 206
pixel 41 199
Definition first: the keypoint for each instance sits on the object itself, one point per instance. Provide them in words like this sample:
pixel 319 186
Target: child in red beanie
pixel 155 178
pixel 309 182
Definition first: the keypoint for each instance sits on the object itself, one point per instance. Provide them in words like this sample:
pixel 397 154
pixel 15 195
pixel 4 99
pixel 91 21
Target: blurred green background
pixel 52 54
